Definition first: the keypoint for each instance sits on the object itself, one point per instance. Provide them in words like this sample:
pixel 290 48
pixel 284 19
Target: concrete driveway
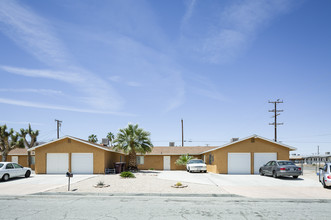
pixel 256 186
pixel 37 183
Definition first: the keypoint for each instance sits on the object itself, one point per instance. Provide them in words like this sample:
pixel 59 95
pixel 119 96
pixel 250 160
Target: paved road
pixel 85 207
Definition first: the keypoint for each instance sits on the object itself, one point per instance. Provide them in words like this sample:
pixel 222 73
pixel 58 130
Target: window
pixel 33 160
pixel 140 160
pixel 17 166
pixel 9 166
pixel 120 158
pixel 211 158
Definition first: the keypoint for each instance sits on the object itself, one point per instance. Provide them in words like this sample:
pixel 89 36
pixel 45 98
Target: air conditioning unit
pixel 234 139
pixel 105 141
pixel 171 144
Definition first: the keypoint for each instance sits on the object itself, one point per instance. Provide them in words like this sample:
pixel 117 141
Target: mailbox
pixel 68 174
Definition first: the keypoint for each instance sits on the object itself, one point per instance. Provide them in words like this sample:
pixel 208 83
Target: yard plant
pixel 183 160
pixel 133 140
pixel 127 174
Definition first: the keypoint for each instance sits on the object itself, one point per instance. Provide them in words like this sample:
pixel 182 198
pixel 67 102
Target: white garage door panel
pixel 239 163
pixel 82 163
pixel 262 158
pixel 57 163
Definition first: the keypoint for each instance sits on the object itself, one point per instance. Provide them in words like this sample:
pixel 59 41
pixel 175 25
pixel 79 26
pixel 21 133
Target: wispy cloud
pixel 39 91
pixel 20 123
pixel 34 34
pixel 188 14
pixel 55 107
pixel 224 39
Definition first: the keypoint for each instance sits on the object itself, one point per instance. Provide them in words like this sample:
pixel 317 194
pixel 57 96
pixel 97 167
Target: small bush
pixel 151 169
pixel 179 184
pixel 127 175
pixel 100 183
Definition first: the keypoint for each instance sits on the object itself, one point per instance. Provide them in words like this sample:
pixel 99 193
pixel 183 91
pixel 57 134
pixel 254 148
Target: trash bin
pixel 118 167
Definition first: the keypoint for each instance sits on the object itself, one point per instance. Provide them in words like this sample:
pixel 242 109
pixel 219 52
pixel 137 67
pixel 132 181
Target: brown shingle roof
pixel 18 151
pixel 178 150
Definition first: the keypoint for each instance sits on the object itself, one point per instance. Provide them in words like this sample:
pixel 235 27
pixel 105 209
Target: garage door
pixel 262 158
pixel 57 163
pixel 82 163
pixel 239 163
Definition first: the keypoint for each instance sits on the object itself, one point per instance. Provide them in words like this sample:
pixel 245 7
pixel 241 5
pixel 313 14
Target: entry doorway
pixel 166 162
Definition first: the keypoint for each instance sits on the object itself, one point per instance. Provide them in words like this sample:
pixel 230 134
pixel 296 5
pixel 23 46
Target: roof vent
pixel 171 144
pixel 327 153
pixel 105 141
pixel 234 139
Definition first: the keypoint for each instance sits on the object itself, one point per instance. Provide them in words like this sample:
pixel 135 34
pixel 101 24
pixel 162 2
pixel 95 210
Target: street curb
pixel 132 194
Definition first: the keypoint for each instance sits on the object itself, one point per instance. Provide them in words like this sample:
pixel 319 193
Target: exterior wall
pixel 156 162
pixel 112 157
pixel 22 160
pixel 151 161
pixel 69 146
pixel 220 162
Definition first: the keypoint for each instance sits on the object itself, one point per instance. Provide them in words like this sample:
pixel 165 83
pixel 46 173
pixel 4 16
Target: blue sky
pixel 98 65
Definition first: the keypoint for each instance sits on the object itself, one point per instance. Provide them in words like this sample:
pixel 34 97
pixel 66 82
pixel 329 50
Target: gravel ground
pixel 145 182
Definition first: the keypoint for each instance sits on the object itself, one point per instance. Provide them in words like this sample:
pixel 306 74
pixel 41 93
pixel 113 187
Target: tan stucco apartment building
pixel 240 156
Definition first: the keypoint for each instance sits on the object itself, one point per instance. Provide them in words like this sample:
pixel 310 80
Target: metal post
pixel 182 134
pixel 69 183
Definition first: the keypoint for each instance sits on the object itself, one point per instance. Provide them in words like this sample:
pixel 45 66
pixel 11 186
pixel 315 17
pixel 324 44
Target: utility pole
pixel 182 133
pixel 275 115
pixel 58 125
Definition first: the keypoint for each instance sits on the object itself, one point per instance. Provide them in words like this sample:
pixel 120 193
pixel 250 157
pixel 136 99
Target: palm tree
pixel 9 140
pixel 33 140
pixel 93 138
pixel 183 160
pixel 133 140
pixel 110 137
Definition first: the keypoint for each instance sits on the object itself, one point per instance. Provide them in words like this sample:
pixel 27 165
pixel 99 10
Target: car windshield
pixel 1 165
pixel 196 161
pixel 283 163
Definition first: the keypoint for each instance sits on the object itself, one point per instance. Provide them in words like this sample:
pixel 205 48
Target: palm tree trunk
pixel 133 161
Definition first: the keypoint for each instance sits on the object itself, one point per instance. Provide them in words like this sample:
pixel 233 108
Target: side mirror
pixel 321 168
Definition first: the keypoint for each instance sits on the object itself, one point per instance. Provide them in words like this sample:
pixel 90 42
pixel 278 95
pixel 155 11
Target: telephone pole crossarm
pixel 275 111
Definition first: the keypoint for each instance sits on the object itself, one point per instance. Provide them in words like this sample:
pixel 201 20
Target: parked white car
pixel 325 175
pixel 196 165
pixel 10 170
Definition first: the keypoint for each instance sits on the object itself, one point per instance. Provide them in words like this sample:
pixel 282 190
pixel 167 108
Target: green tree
pixel 183 160
pixel 133 140
pixel 93 138
pixel 9 140
pixel 111 138
pixel 33 140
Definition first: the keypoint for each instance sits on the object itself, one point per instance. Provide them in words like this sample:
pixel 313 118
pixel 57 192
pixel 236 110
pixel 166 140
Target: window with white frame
pixel 140 160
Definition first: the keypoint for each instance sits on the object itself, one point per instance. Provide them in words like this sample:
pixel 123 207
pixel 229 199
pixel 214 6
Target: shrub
pixel 179 184
pixel 127 174
pixel 100 183
pixel 151 169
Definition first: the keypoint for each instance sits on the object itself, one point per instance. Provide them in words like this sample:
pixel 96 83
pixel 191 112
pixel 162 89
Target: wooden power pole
pixel 58 125
pixel 275 111
pixel 182 133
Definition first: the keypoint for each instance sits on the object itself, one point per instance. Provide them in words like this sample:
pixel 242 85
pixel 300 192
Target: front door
pixel 166 162
pixel 14 159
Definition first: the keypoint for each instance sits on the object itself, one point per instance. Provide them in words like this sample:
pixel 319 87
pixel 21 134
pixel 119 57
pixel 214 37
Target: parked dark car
pixel 278 168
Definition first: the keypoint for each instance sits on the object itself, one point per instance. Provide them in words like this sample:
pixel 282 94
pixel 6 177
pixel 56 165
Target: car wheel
pixel 5 177
pixel 274 174
pixel 295 177
pixel 205 171
pixel 27 174
pixel 324 185
pixel 261 172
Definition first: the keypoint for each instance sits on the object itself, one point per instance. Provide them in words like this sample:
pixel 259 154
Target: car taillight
pixel 282 168
pixel 329 177
pixel 299 168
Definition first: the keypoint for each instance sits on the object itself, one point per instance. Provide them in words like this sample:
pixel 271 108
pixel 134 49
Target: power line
pixel 275 115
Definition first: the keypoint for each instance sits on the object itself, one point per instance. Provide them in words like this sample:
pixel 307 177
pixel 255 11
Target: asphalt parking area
pixel 36 183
